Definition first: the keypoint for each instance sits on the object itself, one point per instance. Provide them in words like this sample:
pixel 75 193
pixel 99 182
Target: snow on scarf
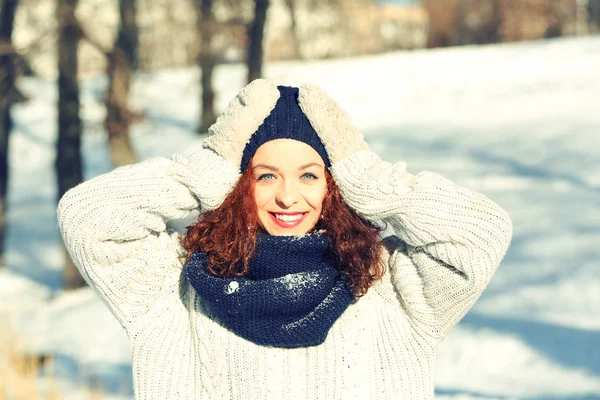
pixel 290 297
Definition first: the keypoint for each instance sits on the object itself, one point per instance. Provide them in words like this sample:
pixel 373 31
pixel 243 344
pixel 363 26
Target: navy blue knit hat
pixel 286 121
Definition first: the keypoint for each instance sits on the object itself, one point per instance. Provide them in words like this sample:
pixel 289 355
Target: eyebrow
pixel 273 168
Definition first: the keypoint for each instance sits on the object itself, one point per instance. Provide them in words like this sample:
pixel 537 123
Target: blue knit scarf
pixel 290 297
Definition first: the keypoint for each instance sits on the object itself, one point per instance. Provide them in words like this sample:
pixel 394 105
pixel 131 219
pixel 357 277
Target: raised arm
pixel 451 239
pixel 114 226
pixel 454 238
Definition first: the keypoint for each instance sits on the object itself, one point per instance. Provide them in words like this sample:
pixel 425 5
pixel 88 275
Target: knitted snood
pixel 290 297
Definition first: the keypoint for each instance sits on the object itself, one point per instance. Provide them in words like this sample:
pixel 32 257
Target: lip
pixel 285 224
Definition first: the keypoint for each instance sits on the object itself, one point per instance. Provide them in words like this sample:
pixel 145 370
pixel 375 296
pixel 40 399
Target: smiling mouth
pixel 288 220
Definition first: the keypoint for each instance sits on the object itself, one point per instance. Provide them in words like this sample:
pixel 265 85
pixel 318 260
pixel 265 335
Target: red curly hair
pixel 228 235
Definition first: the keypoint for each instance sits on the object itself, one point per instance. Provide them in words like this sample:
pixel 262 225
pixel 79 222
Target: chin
pixel 287 232
pixel 275 230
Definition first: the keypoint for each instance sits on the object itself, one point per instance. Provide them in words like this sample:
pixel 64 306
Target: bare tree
pixel 291 5
pixel 492 33
pixel 121 64
pixel 478 22
pixel 68 151
pixel 206 63
pixel 593 10
pixel 256 34
pixel 8 95
pixel 442 21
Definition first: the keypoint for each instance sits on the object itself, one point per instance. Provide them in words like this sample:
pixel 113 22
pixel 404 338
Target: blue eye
pixel 265 177
pixel 310 176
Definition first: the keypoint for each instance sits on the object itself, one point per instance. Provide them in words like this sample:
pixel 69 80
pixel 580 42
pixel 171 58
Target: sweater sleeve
pixel 451 239
pixel 114 226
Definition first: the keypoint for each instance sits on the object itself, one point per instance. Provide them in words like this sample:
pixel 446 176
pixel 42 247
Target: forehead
pixel 286 153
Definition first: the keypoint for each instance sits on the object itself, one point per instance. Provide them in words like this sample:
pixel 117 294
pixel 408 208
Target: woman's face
pixel 289 188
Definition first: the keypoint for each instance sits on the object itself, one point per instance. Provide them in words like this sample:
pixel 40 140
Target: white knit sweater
pixel 449 242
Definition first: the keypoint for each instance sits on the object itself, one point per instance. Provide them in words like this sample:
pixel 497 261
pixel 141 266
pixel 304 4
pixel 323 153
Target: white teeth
pixel 288 218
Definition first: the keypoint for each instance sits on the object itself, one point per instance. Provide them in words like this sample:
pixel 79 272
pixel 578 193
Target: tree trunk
pixel 494 30
pixel 291 5
pixel 593 10
pixel 121 64
pixel 256 33
pixel 443 16
pixel 68 152
pixel 7 98
pixel 206 64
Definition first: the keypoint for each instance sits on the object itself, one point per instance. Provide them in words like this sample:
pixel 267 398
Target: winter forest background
pixel 501 96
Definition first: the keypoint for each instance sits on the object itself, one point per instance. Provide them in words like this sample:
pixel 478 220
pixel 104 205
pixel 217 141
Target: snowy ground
pixel 519 122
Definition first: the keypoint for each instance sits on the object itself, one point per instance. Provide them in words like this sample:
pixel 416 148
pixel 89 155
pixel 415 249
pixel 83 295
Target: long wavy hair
pixel 228 235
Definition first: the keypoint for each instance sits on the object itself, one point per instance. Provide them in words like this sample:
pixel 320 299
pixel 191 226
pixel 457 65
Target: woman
pixel 283 289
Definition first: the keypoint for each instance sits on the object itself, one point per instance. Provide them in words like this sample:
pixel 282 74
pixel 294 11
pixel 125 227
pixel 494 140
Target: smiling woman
pixel 285 165
pixel 284 287
pixel 290 186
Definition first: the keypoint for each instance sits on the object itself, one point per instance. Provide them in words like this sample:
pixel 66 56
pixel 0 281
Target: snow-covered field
pixel 518 122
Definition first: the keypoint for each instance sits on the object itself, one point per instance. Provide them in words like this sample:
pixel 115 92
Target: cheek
pixel 315 198
pixel 261 197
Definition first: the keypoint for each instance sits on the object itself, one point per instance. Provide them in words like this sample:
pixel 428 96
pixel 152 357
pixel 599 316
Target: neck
pixel 292 295
pixel 277 256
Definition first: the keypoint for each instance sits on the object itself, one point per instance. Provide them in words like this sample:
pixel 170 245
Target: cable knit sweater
pixel 448 243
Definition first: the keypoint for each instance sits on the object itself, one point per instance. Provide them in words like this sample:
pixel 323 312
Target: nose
pixel 287 195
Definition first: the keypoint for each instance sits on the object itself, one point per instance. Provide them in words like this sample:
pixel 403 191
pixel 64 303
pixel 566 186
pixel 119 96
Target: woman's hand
pixel 212 177
pixel 368 184
pixel 242 117
pixel 364 179
pixel 333 125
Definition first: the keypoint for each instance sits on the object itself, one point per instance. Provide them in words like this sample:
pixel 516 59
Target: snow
pixel 298 282
pixel 232 287
pixel 517 122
